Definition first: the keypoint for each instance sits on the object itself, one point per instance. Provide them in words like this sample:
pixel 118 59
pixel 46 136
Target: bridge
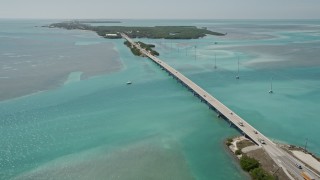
pixel 283 159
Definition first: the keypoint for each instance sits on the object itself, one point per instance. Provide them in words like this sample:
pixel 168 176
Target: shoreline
pixel 240 146
pixel 235 159
pixel 247 148
pixel 155 32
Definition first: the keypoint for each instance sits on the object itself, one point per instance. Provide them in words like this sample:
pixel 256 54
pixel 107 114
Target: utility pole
pixel 215 61
pixel 195 52
pixel 305 147
pixel 276 171
pixel 238 76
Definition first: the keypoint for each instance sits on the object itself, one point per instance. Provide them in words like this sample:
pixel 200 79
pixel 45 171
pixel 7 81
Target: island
pixel 97 21
pixel 156 32
pixel 254 160
pixel 147 47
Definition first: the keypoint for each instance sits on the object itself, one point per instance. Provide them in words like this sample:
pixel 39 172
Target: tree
pixel 248 163
pixel 261 174
pixel 238 152
pixel 228 143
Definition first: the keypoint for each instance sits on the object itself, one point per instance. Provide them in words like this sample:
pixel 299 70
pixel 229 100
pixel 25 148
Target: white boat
pixel 129 82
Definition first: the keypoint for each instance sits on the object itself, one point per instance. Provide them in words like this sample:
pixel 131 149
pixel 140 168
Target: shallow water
pixel 100 127
pixel 35 59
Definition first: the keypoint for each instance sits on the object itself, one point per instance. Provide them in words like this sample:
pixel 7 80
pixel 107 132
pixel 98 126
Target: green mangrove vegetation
pixel 137 52
pixel 97 21
pixel 148 47
pixel 157 32
pixel 133 49
pixel 252 166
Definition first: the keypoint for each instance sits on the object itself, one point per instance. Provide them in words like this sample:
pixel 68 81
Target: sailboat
pixel 195 52
pixel 238 77
pixel 271 91
pixel 215 61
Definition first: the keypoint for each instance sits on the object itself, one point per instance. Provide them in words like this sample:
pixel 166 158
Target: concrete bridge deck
pixel 282 158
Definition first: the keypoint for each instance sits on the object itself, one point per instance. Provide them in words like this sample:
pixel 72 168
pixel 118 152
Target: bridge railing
pixel 220 107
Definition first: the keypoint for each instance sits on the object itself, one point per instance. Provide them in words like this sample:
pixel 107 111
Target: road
pixel 280 157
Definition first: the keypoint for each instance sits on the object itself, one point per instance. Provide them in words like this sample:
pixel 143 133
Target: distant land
pixel 97 21
pixel 157 32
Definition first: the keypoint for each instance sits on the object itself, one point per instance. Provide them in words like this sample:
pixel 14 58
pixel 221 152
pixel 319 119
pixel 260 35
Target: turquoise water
pixel 101 128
